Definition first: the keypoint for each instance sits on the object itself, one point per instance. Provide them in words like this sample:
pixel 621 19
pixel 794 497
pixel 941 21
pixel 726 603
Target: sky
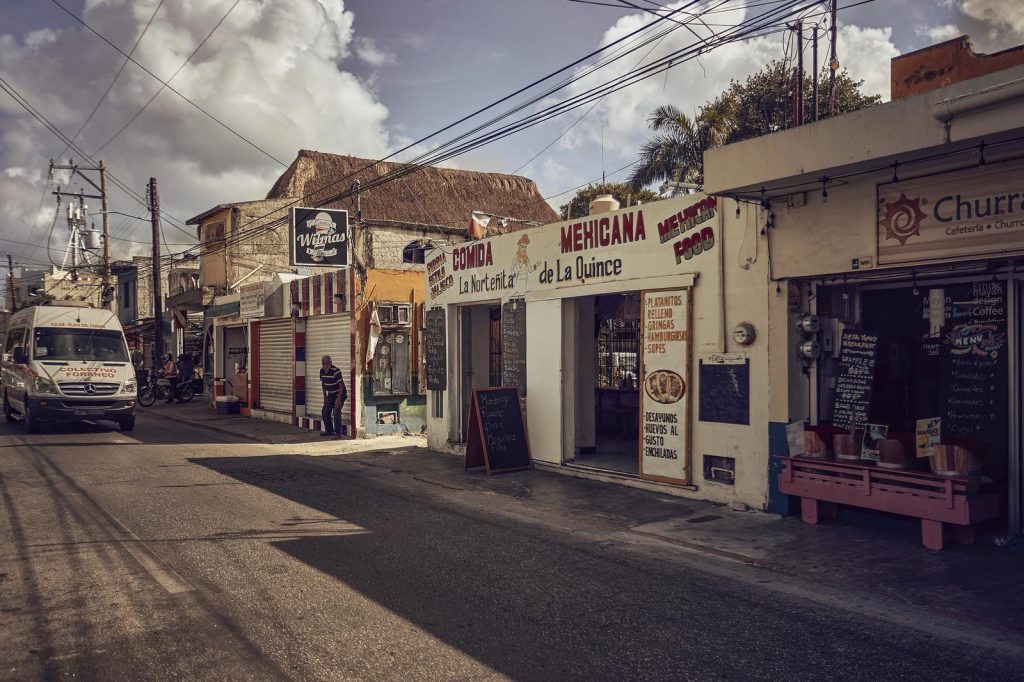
pixel 368 78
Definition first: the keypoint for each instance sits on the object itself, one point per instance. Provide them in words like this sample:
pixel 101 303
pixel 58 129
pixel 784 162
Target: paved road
pixel 181 553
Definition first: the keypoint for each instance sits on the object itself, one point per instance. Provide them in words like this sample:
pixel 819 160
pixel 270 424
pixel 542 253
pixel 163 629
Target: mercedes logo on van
pixel 90 389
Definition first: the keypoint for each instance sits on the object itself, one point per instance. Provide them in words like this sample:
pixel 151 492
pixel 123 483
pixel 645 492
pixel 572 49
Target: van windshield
pixel 104 345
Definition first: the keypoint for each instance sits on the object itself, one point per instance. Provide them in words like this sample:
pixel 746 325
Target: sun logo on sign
pixel 902 219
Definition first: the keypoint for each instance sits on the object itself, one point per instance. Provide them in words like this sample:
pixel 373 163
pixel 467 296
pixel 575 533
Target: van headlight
pixel 44 386
pixel 129 386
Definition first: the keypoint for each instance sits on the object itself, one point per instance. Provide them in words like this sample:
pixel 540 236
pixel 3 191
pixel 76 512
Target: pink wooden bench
pixel 934 499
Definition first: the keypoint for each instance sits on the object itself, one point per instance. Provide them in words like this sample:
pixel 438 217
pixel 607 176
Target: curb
pixel 210 427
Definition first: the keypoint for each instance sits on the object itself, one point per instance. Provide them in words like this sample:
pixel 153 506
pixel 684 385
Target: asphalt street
pixel 177 552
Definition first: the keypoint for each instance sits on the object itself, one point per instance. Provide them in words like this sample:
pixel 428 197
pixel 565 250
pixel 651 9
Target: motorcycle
pixel 153 387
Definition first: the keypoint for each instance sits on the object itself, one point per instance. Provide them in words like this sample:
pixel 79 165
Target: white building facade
pixel 638 338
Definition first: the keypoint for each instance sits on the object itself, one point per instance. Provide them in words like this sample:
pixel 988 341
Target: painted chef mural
pixel 659 239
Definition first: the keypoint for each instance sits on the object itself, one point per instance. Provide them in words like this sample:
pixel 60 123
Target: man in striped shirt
pixel 334 397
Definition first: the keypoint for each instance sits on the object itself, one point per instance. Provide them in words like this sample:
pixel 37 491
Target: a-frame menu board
pixel 496 437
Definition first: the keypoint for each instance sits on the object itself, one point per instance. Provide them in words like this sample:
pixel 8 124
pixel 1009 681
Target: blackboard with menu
pixel 434 343
pixel 974 357
pixel 513 344
pixel 497 431
pixel 858 351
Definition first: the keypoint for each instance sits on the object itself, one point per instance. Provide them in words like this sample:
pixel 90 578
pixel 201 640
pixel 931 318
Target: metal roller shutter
pixel 327 335
pixel 276 365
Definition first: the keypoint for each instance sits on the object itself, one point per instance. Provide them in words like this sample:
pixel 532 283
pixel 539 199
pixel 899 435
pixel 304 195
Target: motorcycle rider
pixel 169 371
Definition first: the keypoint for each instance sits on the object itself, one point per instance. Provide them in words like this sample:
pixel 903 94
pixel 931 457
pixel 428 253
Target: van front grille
pixel 88 388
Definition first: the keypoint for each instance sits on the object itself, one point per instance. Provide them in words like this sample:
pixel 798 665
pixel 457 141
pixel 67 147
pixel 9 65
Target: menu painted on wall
pixel 513 344
pixel 434 342
pixel 857 353
pixel 974 355
pixel 664 397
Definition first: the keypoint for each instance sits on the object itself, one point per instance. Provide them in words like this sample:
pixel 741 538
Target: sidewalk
pixel 863 555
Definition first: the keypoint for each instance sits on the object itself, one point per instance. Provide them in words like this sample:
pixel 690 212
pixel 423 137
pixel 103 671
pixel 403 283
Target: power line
pixel 742 31
pixel 204 111
pixel 165 85
pixel 23 102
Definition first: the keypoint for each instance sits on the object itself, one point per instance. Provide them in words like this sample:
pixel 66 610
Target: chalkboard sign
pixel 513 344
pixel 434 347
pixel 858 351
pixel 497 432
pixel 724 390
pixel 974 357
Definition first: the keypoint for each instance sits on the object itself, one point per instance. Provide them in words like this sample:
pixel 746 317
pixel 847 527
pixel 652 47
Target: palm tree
pixel 676 153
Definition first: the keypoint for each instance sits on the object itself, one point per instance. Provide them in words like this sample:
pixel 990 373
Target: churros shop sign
pixel 978 211
pixel 658 239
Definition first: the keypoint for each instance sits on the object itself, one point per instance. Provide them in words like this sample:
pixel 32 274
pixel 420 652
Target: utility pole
pixel 799 73
pixel 108 295
pixel 10 277
pixel 833 65
pixel 814 80
pixel 158 313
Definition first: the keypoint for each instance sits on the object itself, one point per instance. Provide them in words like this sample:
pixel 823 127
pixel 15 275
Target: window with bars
pixel 618 341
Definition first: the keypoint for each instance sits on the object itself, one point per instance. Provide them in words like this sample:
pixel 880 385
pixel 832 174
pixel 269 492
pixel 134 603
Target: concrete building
pixel 903 223
pixel 640 339
pixel 284 316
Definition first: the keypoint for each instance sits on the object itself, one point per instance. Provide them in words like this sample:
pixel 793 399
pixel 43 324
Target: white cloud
pixel 865 52
pixel 367 50
pixel 270 72
pixel 939 34
pixel 1003 16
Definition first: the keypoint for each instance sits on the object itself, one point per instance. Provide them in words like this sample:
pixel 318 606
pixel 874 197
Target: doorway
pixel 479 355
pixel 607 385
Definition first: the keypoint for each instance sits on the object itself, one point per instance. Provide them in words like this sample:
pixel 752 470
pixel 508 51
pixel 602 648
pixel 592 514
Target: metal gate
pixel 327 335
pixel 276 365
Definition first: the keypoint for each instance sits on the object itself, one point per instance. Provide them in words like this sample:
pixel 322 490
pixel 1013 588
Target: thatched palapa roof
pixel 428 196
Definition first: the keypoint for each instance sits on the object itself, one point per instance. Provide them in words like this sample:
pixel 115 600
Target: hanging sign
pixel 665 388
pixel 318 237
pixel 952 215
pixel 252 300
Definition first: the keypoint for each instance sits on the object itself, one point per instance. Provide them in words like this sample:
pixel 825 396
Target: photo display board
pixel 497 432
pixel 858 352
pixel 665 386
pixel 435 349
pixel 513 344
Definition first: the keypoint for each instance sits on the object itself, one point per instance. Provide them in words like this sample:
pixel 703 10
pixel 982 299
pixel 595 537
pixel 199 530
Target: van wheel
pixel 127 424
pixel 31 423
pixel 8 415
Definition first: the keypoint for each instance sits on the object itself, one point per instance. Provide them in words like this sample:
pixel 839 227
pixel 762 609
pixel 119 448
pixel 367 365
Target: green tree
pixel 579 205
pixel 761 104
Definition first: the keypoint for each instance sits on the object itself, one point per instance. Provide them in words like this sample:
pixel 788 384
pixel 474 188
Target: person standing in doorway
pixel 334 397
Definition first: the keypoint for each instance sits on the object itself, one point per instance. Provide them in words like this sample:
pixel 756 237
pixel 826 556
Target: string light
pixel 895 171
pixel 981 154
pixel 824 190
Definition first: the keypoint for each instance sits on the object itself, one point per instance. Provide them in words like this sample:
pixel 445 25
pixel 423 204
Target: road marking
pixel 149 560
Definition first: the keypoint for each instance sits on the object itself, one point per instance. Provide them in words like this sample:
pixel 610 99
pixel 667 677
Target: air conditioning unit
pixel 394 314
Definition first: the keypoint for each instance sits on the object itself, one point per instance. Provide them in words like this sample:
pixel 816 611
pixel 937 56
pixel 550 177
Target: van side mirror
pixel 19 356
pixel 136 358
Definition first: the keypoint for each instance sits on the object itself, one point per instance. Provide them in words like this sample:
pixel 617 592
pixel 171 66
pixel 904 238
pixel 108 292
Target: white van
pixel 67 364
